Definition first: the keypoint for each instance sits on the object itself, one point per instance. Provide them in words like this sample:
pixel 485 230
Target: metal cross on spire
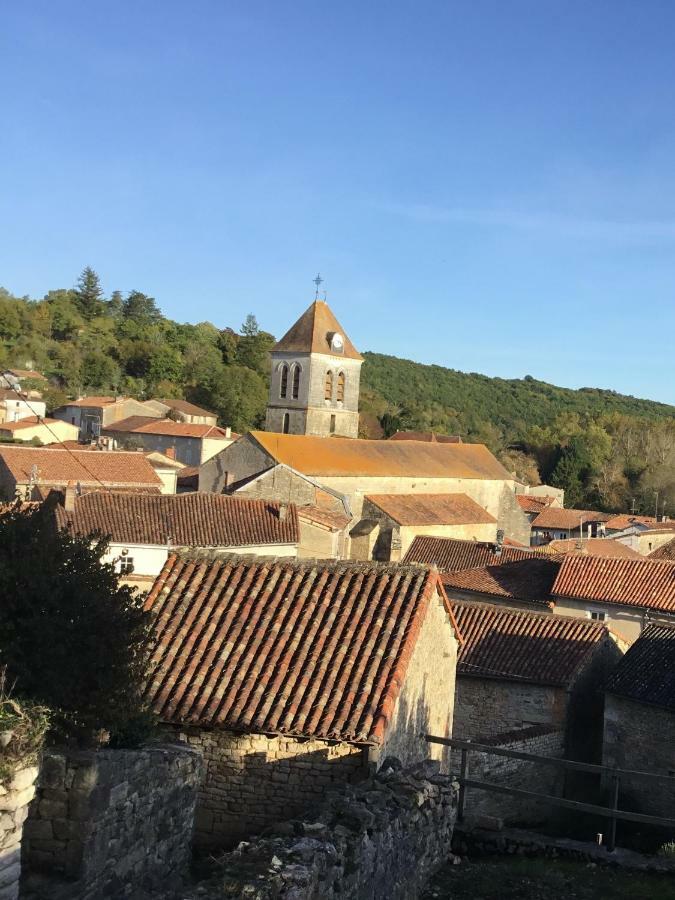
pixel 318 281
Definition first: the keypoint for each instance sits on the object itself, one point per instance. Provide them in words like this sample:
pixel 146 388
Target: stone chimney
pixel 70 496
pixel 283 512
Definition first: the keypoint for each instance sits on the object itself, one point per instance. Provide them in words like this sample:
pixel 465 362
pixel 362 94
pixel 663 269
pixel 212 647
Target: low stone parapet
pixel 16 793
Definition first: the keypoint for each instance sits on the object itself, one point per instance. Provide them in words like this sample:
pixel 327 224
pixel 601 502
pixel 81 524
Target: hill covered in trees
pixel 604 448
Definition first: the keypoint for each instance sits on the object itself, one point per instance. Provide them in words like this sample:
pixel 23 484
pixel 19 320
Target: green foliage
pixel 23 726
pixel 88 295
pixel 238 395
pixel 140 308
pixel 71 637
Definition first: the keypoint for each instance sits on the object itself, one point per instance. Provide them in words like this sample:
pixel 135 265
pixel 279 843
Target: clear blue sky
pixel 485 185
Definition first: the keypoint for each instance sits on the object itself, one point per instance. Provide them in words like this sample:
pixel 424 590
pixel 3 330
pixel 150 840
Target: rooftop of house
pixel 647 671
pixel 454 555
pixel 314 649
pixel 431 509
pixel 532 503
pixel 430 437
pixel 511 644
pixel 319 515
pixel 56 467
pixel 26 373
pixel 162 461
pixel 326 456
pixel 29 422
pixel 95 401
pixel 559 517
pixel 184 406
pixel 169 428
pixel 621 521
pixel 181 520
pixel 525 580
pixel 591 547
pixel 18 396
pixel 312 333
pixel 641 582
pixel 665 552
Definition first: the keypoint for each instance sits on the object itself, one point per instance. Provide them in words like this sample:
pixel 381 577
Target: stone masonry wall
pixel 112 821
pixel 382 838
pixel 487 706
pixel 16 792
pixel 252 780
pixel 516 773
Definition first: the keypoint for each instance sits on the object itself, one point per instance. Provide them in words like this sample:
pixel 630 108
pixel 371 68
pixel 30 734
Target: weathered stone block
pixel 23 778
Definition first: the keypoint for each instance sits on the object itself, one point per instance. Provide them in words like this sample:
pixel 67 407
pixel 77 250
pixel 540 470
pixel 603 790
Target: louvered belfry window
pixel 341 386
pixel 328 390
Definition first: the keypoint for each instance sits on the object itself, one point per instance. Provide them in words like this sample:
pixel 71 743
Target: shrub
pixel 22 731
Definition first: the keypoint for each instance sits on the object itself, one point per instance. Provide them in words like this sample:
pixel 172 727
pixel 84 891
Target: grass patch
pixel 516 878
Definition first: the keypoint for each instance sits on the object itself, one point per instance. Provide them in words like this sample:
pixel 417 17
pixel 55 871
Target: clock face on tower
pixel 337 342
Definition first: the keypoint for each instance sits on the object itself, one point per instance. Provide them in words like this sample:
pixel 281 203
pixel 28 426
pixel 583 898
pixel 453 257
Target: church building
pixel 314 388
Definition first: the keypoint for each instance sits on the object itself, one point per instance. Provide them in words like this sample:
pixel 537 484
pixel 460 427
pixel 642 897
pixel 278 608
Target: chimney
pixel 283 512
pixel 70 495
pixel 228 432
pixel 170 452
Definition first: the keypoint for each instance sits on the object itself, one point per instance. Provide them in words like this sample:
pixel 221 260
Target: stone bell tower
pixel 315 378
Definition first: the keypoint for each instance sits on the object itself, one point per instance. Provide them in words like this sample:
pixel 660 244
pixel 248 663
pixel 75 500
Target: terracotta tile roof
pixel 647 671
pixel 28 422
pixel 429 437
pixel 531 503
pixel 621 521
pixel 630 582
pixel 665 552
pixel 151 425
pixel 526 580
pixel 557 517
pixel 10 394
pixel 320 456
pixel 160 460
pixel 591 547
pixel 452 555
pixel 26 373
pixel 184 406
pixel 58 467
pixel 95 401
pixel 336 521
pixel 431 509
pixel 181 520
pixel 318 650
pixel 520 645
pixel 313 331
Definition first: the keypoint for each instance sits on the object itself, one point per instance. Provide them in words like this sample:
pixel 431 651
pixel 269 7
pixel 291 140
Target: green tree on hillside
pixel 140 308
pixel 88 294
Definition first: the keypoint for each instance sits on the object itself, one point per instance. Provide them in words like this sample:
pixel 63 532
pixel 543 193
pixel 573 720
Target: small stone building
pixel 292 677
pixel 639 730
pixel 519 669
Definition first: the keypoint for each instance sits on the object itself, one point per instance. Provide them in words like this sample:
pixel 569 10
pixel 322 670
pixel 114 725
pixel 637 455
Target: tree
pixel 238 396
pixel 71 637
pixel 250 327
pixel 99 372
pixel 140 308
pixel 88 294
pixel 116 305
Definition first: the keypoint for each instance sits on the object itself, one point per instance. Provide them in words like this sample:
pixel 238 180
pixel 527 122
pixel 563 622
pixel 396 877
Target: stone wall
pixel 488 706
pixel 110 819
pixel 642 738
pixel 382 838
pixel 516 773
pixel 252 780
pixel 16 792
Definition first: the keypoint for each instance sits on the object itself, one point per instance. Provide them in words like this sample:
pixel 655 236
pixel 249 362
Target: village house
pixel 144 529
pixel 532 505
pixel 190 444
pixel 356 468
pixel 31 472
pixel 180 411
pixel 19 379
pixel 639 733
pixel 167 467
pixel 645 536
pixel 292 677
pixel 39 430
pixel 390 522
pixel 665 551
pixel 589 547
pixel 15 405
pixel 453 555
pixel 92 414
pixel 519 668
pixel 557 523
pixel 625 594
pixel 525 583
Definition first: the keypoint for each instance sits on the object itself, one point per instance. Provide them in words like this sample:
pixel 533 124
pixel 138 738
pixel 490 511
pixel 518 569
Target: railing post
pixel 611 843
pixel 463 770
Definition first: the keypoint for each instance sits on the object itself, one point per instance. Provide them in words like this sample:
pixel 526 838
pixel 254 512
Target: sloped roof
pixel 184 520
pixel 184 406
pixel 95 401
pixel 528 580
pixel 431 509
pixel 630 582
pixel 591 547
pixel 558 517
pixel 531 503
pixel 323 456
pixel 313 331
pixel 621 521
pixel 454 555
pixel 430 437
pixel 29 422
pixel 167 427
pixel 319 515
pixel 521 645
pixel 666 552
pixel 58 467
pixel 310 649
pixel 26 373
pixel 647 671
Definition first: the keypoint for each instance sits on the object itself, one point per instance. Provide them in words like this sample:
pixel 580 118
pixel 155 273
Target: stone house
pixel 557 523
pixel 16 378
pixel 294 676
pixel 34 428
pixel 399 518
pixel 625 594
pixel 91 414
pixel 525 583
pixel 15 406
pixel 645 538
pixel 144 529
pixel 518 669
pixel 189 444
pixel 666 552
pixel 454 555
pixel 181 411
pixel 30 472
pixel 357 468
pixel 639 732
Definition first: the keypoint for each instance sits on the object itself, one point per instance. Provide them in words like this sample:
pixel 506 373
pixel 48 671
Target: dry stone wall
pixel 16 792
pixel 111 822
pixel 382 838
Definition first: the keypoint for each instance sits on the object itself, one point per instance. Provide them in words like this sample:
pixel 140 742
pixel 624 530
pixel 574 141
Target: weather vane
pixel 317 281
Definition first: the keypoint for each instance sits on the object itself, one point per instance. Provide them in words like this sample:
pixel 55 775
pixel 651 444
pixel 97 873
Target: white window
pixel 126 565
pixel 597 615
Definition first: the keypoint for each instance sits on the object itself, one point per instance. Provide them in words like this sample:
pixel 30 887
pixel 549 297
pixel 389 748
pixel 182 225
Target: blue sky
pixel 484 185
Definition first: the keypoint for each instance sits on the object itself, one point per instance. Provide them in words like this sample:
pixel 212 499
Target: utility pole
pixel 656 506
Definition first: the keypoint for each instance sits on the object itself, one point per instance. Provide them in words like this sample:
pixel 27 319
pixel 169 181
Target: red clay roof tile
pixel 431 509
pixel 58 467
pixel 529 580
pixel 454 555
pixel 630 582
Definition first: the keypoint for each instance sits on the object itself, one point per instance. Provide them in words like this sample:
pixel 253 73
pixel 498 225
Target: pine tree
pixel 88 294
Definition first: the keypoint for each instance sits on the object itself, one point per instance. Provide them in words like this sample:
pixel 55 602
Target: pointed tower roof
pixel 313 331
